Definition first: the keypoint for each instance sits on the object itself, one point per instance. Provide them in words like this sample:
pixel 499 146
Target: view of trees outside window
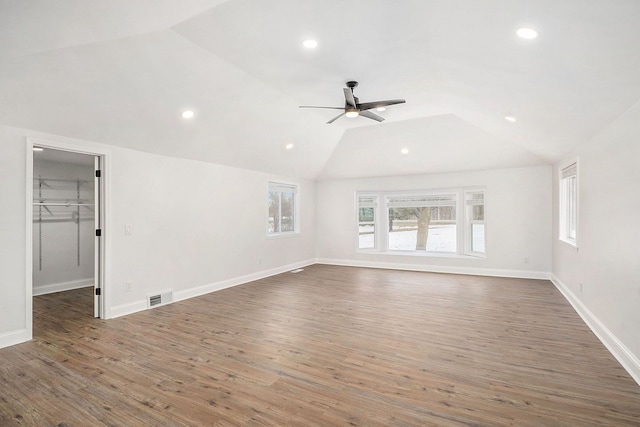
pixel 281 206
pixel 424 228
pixel 367 222
pixel 475 203
pixel 436 221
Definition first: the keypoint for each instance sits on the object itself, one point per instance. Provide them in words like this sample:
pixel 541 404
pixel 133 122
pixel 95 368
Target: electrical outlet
pixel 259 260
pixel 128 286
pixel 128 229
pixel 526 260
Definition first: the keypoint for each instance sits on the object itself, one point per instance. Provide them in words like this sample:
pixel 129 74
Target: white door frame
pixel 85 148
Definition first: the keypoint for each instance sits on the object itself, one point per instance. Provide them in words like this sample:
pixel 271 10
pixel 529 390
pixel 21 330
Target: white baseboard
pixel 14 337
pixel 494 272
pixel 63 286
pixel 125 309
pixel 137 306
pixel 627 359
pixel 217 286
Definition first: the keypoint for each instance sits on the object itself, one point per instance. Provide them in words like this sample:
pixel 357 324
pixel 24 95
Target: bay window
pixel 425 222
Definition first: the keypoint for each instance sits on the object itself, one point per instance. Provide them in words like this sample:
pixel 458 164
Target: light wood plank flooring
pixel 327 346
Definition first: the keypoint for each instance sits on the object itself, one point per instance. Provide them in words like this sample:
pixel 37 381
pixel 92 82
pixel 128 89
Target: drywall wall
pixel 13 319
pixel 197 227
pixel 606 260
pixel 518 222
pixel 63 237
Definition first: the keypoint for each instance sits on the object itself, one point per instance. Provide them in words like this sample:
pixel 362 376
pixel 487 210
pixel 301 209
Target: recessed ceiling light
pixel 527 33
pixel 38 149
pixel 405 151
pixel 510 119
pixel 352 113
pixel 288 146
pixel 380 109
pixel 187 114
pixel 310 44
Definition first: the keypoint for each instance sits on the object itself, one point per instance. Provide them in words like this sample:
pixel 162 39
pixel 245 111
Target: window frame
pixel 281 187
pixel 568 202
pixel 469 221
pixel 376 225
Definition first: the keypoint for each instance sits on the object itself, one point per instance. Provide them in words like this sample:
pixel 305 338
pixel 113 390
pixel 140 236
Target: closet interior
pixel 63 221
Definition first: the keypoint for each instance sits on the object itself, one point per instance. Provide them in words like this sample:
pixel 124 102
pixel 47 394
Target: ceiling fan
pixel 353 108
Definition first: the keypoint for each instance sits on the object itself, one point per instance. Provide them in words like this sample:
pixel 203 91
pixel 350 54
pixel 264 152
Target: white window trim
pixel 296 208
pixel 382 220
pixel 468 223
pixel 376 222
pixel 562 215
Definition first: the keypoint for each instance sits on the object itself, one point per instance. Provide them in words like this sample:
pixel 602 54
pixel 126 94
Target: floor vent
pixel 159 299
pixel 297 270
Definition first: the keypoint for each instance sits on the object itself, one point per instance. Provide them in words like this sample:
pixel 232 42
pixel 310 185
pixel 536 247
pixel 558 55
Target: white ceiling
pixel 120 72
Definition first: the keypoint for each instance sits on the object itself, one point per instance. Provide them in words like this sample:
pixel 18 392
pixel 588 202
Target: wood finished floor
pixel 328 346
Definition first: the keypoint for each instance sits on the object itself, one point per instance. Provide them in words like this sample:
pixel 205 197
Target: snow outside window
pixel 367 221
pixel 475 235
pixel 569 204
pixel 282 205
pixel 424 223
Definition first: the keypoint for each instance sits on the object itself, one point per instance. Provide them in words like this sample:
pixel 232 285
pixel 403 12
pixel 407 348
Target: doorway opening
pixel 66 234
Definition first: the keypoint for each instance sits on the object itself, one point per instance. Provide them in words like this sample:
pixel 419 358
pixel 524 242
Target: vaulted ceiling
pixel 120 72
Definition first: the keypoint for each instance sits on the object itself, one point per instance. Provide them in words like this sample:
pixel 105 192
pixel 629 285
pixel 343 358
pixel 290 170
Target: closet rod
pixel 62 204
pixel 81 181
pixel 59 200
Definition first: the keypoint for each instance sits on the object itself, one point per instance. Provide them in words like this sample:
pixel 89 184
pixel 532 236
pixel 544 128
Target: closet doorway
pixel 67 217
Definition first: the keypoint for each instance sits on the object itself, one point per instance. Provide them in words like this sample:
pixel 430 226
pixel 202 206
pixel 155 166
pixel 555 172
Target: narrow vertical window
pixel 475 230
pixel 568 225
pixel 367 222
pixel 282 208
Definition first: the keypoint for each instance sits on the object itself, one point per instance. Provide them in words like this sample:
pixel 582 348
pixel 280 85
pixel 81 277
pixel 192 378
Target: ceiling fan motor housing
pixel 346 104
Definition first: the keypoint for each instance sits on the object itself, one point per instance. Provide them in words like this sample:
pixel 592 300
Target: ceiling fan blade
pixel 312 106
pixel 378 104
pixel 348 96
pixel 335 118
pixel 370 115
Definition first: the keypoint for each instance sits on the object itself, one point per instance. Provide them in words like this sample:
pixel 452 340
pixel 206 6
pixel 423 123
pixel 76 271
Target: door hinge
pixel 98 232
pixel 98 173
pixel 98 291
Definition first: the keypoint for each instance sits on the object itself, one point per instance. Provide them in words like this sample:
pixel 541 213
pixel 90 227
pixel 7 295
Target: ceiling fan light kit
pixel 353 108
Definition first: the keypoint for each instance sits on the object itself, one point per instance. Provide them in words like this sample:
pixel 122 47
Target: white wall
pixel 518 221
pixel 197 227
pixel 59 233
pixel 607 259
pixel 13 321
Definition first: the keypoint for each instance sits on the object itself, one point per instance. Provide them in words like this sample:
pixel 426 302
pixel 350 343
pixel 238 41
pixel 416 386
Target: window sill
pixel 571 244
pixel 421 254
